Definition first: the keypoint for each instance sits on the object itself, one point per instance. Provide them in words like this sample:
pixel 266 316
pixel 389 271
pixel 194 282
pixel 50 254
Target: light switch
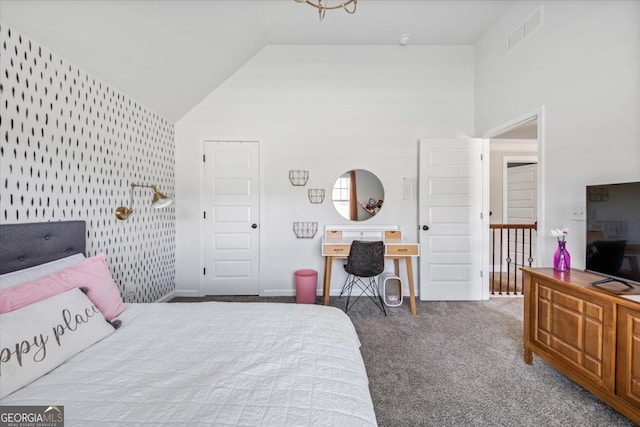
pixel 577 213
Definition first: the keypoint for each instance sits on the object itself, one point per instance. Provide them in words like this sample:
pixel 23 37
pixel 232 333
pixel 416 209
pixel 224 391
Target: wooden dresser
pixel 588 333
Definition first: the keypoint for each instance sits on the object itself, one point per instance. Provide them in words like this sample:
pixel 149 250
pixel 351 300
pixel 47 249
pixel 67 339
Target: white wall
pixel 326 109
pixel 583 66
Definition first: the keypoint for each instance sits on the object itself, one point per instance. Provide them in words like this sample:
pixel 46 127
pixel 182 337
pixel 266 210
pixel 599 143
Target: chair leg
pixel 345 286
pixel 355 280
pixel 371 287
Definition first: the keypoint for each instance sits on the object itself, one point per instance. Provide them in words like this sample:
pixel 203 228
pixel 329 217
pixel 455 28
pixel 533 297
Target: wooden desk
pixel 337 243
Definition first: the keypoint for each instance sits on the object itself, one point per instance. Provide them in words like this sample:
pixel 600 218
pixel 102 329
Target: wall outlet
pixel 577 213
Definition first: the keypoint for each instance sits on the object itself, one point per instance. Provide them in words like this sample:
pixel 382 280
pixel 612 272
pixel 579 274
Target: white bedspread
pixel 222 364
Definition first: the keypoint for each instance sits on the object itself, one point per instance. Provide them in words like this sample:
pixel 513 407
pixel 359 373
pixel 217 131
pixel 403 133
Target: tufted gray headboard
pixel 28 244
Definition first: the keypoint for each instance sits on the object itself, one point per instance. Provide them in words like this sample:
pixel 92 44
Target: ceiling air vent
pixel 525 29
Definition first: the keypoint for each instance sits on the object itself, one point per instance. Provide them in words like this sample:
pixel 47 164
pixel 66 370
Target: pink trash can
pixel 306 286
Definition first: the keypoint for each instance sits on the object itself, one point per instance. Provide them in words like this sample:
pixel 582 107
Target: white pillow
pixel 41 336
pixel 30 274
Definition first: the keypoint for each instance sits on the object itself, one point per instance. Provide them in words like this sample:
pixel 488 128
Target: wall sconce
pixel 159 201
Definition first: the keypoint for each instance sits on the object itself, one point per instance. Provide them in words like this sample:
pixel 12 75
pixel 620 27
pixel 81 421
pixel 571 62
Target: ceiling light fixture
pixel 324 5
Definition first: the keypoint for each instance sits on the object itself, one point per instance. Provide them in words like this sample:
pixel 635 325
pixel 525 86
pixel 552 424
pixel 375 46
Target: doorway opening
pixel 515 202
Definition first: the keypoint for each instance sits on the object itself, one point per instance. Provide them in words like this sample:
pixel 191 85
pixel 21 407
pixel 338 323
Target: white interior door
pixel 520 207
pixel 231 234
pixel 450 217
pixel 521 193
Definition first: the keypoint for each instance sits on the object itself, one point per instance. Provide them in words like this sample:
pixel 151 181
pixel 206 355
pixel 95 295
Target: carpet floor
pixel 460 364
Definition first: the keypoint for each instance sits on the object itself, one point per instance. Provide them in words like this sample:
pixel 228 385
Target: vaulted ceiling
pixel 170 54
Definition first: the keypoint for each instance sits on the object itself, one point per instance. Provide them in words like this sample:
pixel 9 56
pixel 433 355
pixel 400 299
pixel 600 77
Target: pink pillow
pixel 93 274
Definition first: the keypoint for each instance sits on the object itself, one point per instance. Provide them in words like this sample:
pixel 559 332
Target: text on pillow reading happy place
pixel 37 346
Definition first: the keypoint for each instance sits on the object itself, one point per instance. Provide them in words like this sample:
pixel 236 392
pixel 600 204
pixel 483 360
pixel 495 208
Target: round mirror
pixel 358 195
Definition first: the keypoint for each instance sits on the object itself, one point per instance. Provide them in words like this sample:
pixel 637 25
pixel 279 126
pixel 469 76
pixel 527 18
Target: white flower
pixel 560 233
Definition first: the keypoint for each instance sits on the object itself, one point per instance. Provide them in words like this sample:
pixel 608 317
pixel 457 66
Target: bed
pixel 209 363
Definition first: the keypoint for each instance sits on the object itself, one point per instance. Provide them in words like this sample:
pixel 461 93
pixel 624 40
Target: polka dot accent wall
pixel 71 147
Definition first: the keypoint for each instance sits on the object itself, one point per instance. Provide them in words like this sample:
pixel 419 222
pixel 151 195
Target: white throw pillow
pixel 30 274
pixel 41 336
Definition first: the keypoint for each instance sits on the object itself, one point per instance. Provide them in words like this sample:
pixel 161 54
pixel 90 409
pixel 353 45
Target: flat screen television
pixel 613 231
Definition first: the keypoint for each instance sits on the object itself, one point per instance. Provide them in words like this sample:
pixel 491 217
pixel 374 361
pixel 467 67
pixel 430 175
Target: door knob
pixel 425 227
pixel 254 225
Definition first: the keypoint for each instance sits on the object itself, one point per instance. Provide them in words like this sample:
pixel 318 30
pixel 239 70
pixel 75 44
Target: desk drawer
pixel 336 249
pixel 402 249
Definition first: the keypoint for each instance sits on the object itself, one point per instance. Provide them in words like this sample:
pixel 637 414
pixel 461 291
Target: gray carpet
pixel 460 364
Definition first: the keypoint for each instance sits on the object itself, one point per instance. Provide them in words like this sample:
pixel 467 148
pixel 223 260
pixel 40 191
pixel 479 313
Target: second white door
pixel 231 232
pixel 521 194
pixel 450 219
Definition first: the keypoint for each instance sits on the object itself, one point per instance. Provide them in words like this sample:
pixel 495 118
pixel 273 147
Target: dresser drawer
pixel 402 249
pixel 336 249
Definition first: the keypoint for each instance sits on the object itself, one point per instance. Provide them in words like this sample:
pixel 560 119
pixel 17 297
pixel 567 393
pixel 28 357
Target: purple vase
pixel 561 258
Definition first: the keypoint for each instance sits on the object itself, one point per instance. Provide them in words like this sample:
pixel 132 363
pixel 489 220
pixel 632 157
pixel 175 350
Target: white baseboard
pixel 268 293
pixel 278 293
pixel 187 293
pixel 167 297
pixel 173 294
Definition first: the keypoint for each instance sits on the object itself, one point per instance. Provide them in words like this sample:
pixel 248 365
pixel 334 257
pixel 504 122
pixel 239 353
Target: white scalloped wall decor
pixel 71 146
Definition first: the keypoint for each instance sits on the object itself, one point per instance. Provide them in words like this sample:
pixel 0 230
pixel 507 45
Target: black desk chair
pixel 364 264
